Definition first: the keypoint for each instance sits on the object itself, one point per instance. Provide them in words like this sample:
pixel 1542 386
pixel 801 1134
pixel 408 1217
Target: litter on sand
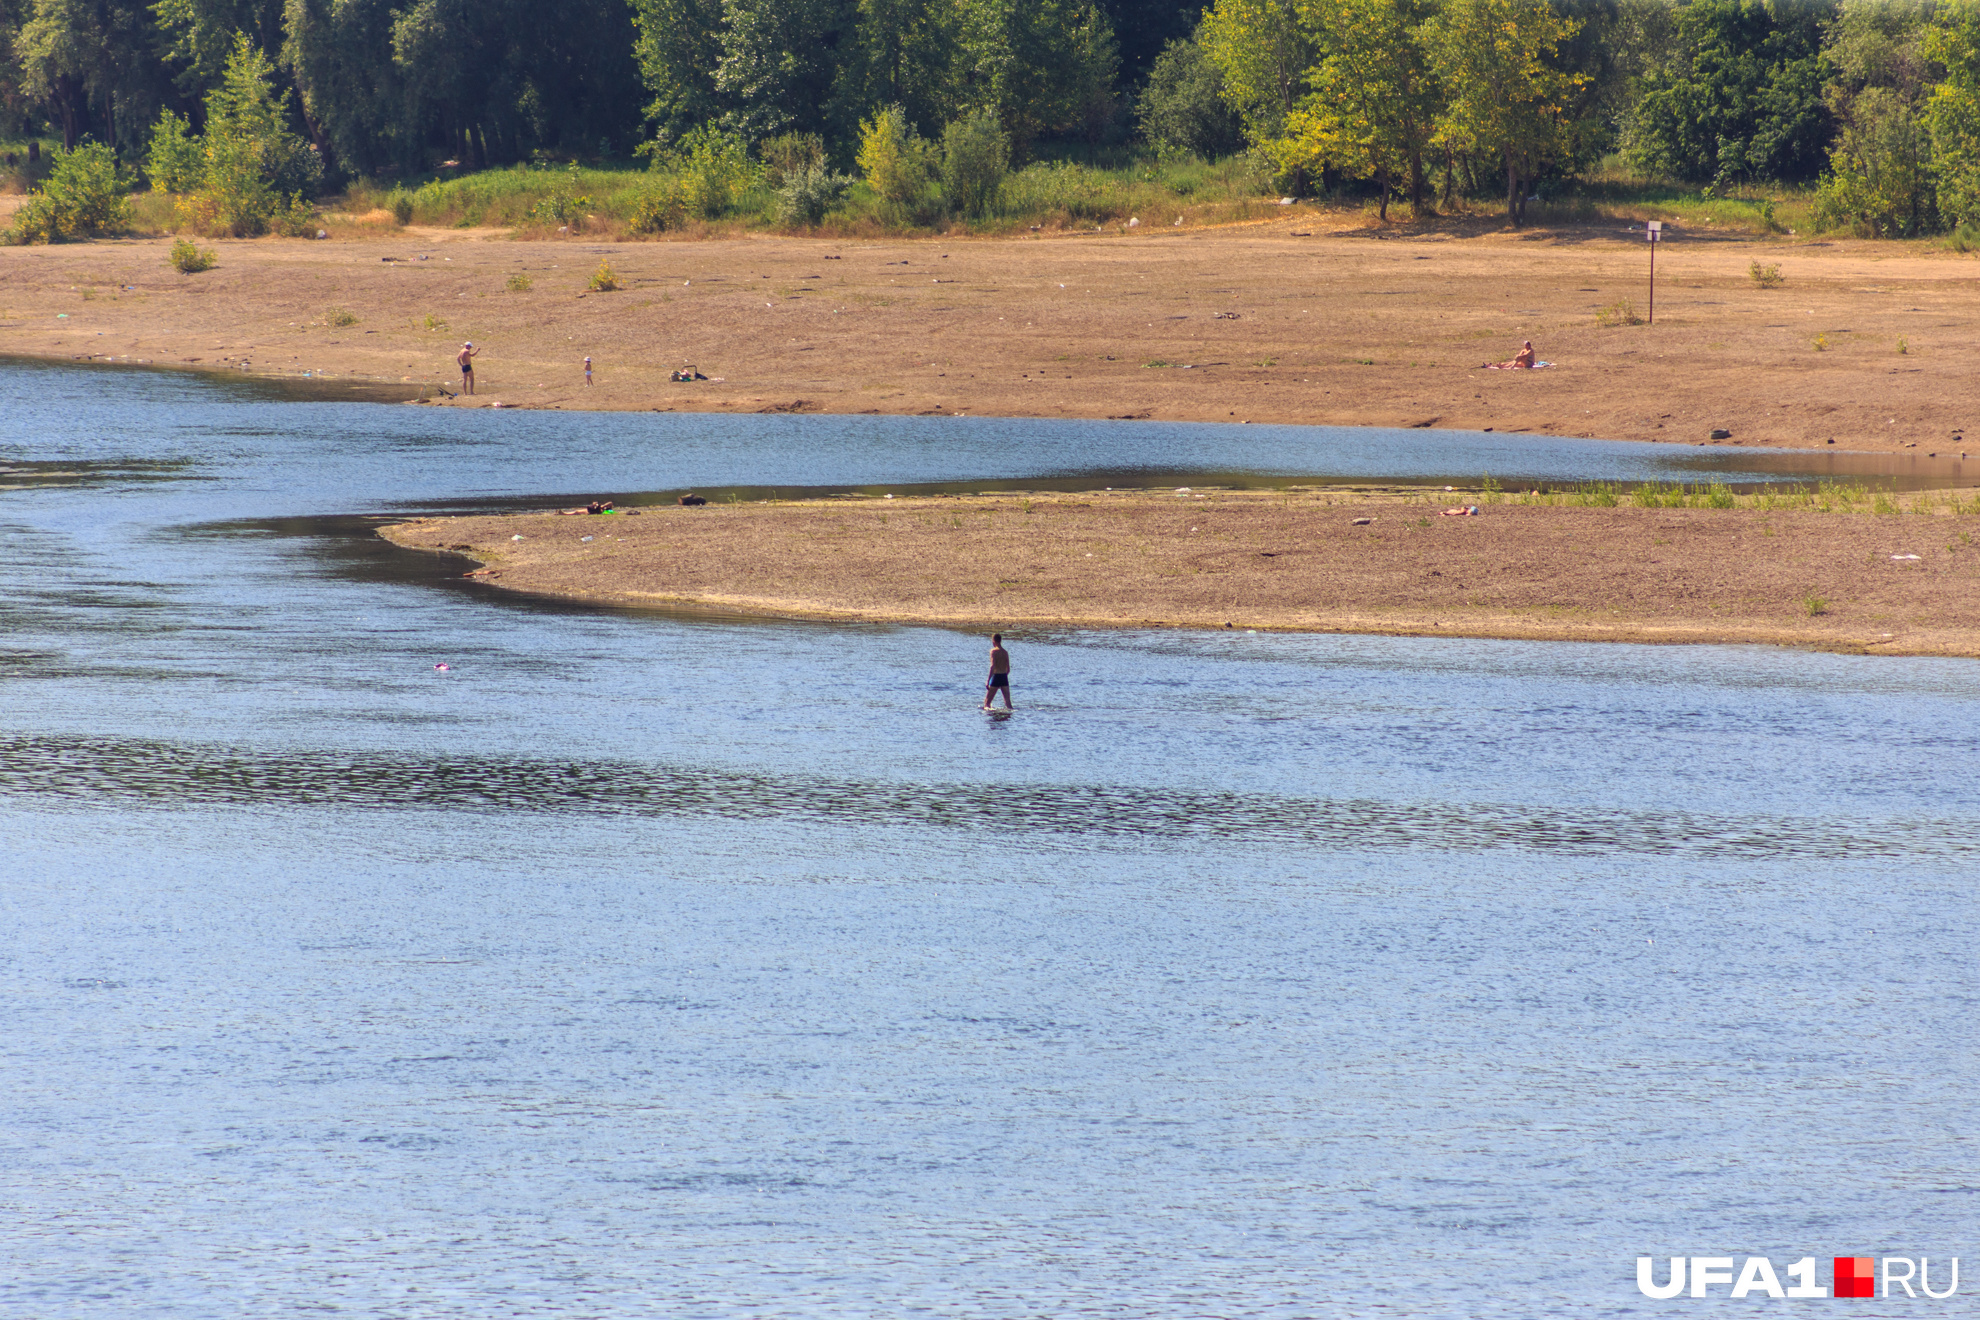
pixel 1904 556
pixel 1363 522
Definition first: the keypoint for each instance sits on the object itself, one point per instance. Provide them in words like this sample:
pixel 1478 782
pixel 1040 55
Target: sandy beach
pixel 1300 560
pixel 1314 318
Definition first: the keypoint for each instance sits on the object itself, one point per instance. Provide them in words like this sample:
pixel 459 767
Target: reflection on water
pixel 640 965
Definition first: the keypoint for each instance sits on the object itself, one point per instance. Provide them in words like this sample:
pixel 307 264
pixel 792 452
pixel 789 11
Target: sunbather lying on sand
pixel 1524 360
pixel 596 506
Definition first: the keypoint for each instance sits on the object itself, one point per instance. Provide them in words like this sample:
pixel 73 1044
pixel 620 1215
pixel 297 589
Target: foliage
pixel 604 279
pixel 520 283
pixel 1880 180
pixel 808 192
pixel 897 164
pixel 189 258
pixel 1505 99
pixel 1374 101
pixel 175 160
pixel 248 172
pixel 1043 67
pixel 565 206
pixel 1952 110
pixel 1618 313
pixel 976 155
pixel 661 206
pixel 712 167
pixel 1183 107
pixel 1767 277
pixel 788 154
pixel 1262 51
pixel 1738 94
pixel 81 198
pixel 401 206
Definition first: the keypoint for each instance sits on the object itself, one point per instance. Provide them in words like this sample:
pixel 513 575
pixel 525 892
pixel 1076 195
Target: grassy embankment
pixel 1111 188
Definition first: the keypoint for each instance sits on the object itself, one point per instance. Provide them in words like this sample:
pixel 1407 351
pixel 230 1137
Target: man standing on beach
pixel 466 358
pixel 1000 672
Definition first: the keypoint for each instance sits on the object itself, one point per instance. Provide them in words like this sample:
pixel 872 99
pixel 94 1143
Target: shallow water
pixel 646 965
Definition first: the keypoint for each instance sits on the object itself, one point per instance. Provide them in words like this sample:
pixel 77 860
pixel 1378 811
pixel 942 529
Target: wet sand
pixel 1295 560
pixel 1311 318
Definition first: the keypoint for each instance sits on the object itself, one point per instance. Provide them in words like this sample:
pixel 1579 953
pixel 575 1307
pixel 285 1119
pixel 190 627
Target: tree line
pixel 1875 102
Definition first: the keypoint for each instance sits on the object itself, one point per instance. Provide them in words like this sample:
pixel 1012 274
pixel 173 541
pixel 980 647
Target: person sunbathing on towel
pixel 1523 360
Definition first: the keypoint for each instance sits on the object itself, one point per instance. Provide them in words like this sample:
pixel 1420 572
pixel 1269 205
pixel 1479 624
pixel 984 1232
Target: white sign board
pixel 1653 230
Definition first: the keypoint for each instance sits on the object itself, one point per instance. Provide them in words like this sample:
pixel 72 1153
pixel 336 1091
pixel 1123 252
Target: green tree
pixel 89 64
pixel 1881 176
pixel 83 198
pixel 1183 107
pixel 1263 51
pixel 678 48
pixel 778 63
pixel 1952 111
pixel 1738 94
pixel 904 53
pixel 1505 99
pixel 897 164
pixel 1374 102
pixel 975 157
pixel 1044 67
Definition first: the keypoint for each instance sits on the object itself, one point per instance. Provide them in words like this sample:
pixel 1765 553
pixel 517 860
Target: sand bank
pixel 1296 560
pixel 1315 318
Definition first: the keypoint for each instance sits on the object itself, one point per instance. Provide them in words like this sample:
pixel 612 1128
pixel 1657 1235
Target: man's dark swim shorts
pixel 1000 680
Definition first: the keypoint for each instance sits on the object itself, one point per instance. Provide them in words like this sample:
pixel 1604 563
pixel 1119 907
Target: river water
pixel 642 964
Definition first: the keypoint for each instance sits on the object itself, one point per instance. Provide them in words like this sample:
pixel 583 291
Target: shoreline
pixel 1289 560
pixel 1862 349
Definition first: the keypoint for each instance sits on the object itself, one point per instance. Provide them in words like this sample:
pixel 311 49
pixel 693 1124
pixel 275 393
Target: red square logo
pixel 1856 1276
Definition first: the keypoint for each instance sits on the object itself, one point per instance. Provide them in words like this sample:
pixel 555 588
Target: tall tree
pixel 1505 97
pixel 1374 101
pixel 1263 51
pixel 1045 67
pixel 778 62
pixel 1739 93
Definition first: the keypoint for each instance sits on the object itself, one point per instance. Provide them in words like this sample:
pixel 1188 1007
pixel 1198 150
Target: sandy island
pixel 1300 559
pixel 1311 317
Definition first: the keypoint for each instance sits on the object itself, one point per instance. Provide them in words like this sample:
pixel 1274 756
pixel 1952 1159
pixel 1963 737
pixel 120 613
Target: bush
pixel 789 155
pixel 897 163
pixel 250 161
pixel 1767 277
pixel 189 258
pixel 83 198
pixel 297 219
pixel 175 160
pixel 402 207
pixel 663 206
pixel 520 283
pixel 604 279
pixel 565 206
pixel 1183 107
pixel 711 167
pixel 809 193
pixel 976 155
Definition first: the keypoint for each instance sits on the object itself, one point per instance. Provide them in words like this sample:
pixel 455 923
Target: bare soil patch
pixel 1864 344
pixel 1291 560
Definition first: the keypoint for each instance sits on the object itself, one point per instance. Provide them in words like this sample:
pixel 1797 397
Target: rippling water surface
pixel 644 965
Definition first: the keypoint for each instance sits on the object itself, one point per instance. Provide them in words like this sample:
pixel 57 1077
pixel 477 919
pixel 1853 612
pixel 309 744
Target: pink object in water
pixel 442 667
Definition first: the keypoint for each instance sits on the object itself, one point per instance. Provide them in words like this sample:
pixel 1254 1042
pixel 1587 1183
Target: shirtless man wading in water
pixel 1000 672
pixel 466 358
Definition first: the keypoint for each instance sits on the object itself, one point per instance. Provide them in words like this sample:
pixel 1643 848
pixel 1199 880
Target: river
pixel 644 964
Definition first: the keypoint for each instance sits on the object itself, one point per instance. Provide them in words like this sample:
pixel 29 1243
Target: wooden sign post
pixel 1654 231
